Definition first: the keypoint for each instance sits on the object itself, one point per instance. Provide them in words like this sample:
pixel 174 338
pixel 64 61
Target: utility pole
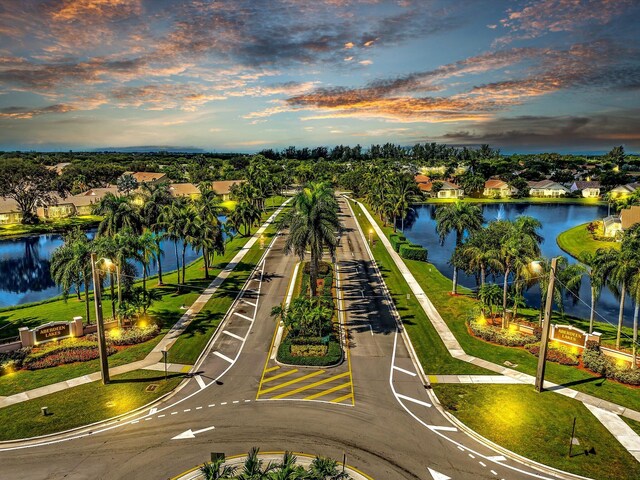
pixel 544 341
pixel 102 344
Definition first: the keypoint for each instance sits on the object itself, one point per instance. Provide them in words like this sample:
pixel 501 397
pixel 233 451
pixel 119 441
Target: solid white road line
pixel 414 400
pixel 224 357
pixel 443 429
pixel 243 316
pixel 200 381
pixel 405 371
pixel 237 337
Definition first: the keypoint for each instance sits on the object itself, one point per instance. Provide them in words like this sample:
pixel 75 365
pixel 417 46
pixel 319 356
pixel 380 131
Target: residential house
pixel 629 217
pixel 623 191
pixel 184 190
pixel 58 208
pixel 496 188
pixel 547 188
pixel 148 177
pixel 9 211
pixel 223 187
pixel 448 190
pixel 85 201
pixel 611 226
pixel 588 189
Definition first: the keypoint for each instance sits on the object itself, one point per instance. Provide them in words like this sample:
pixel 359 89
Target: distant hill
pixel 151 149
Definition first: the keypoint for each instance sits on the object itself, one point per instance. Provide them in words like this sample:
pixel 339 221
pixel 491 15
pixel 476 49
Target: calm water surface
pixel 420 228
pixel 24 267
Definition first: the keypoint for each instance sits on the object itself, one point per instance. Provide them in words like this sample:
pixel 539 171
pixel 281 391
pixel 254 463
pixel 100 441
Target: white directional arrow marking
pixel 438 475
pixel 191 433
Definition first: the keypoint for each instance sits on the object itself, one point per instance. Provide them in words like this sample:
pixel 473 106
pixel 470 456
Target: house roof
pixel 629 217
pixel 223 187
pixel 422 179
pixel 183 189
pixel 8 205
pixel 581 185
pixel 426 187
pixel 495 183
pixel 142 177
pixel 91 196
pixel 58 167
pixel 628 188
pixel 547 185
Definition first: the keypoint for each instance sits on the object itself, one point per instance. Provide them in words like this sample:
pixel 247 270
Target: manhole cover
pixel 152 387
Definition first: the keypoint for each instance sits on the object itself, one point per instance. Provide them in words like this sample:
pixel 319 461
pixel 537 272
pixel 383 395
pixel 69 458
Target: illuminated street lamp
pixel 544 341
pixel 102 344
pixel 262 242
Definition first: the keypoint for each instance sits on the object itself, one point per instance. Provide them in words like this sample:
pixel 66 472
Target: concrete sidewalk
pixel 612 422
pixel 153 361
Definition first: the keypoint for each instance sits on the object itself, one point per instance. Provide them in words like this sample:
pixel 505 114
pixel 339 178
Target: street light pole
pixel 370 233
pixel 544 341
pixel 102 344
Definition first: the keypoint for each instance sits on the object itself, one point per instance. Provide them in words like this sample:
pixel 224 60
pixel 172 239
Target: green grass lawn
pixel 635 426
pixel 50 226
pixel 84 404
pixel 166 312
pixel 578 240
pixel 456 310
pixel 432 353
pixel 538 426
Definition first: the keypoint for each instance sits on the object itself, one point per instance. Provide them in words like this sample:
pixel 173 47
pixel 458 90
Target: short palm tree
pixel 490 296
pixel 216 470
pixel 118 212
pixel 253 468
pixel 459 217
pixel 313 225
pixel 288 470
pixel 322 468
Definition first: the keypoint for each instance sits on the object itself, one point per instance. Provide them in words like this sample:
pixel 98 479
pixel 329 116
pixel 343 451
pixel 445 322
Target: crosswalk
pixel 333 385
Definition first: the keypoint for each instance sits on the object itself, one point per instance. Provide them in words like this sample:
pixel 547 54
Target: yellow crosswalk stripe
pixel 312 385
pixel 280 375
pixel 291 382
pixel 272 369
pixel 327 392
pixel 336 400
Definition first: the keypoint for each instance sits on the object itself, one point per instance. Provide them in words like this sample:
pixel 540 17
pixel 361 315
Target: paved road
pixel 373 406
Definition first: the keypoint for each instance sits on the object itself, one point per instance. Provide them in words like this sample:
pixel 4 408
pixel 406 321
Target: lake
pixel 420 228
pixel 25 262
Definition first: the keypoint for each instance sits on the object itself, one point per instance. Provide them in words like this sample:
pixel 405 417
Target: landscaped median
pixel 531 423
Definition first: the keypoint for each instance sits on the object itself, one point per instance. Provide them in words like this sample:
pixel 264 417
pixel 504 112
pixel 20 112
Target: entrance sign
pixel 570 335
pixel 52 331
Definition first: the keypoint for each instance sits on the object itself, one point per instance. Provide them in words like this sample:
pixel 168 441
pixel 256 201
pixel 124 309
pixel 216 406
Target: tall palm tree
pixel 171 220
pixel 617 267
pixel 71 266
pixel 404 192
pixel 459 217
pixel 596 282
pixel 118 212
pixel 156 198
pixel 148 249
pixel 313 224
pixel 243 216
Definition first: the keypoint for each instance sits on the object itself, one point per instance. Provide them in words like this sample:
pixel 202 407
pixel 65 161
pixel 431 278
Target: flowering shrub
pixel 500 335
pixel 132 336
pixel 65 351
pixel 598 362
pixel 12 361
pixel 560 354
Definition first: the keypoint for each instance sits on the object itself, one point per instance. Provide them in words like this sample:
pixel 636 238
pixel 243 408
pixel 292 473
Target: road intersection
pixel 373 406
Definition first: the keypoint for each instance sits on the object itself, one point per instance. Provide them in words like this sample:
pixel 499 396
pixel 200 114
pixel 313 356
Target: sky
pixel 243 75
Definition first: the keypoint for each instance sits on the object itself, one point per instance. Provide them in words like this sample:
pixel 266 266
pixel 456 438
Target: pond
pixel 25 262
pixel 420 228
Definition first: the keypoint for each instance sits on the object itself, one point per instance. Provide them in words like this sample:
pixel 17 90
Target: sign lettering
pixel 54 331
pixel 569 335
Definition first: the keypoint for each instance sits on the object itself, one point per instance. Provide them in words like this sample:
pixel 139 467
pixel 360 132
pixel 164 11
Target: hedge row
pixel 333 356
pixel 598 362
pixel 413 252
pixel 559 354
pixel 500 336
pixel 397 241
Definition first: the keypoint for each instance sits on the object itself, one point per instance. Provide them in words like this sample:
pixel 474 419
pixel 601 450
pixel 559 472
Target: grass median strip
pixel 84 404
pixel 432 353
pixel 538 426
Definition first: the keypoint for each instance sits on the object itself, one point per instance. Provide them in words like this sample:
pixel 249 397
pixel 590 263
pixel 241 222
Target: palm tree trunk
pixel 454 287
pixel 313 274
pixel 159 257
pixel 402 227
pixel 205 257
pixel 78 291
pixel 505 286
pixel 87 303
pixel 175 245
pixel 483 275
pixel 394 223
pixel 144 282
pixel 113 294
pixel 634 363
pixel 184 252
pixel 593 309
pixel 621 313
